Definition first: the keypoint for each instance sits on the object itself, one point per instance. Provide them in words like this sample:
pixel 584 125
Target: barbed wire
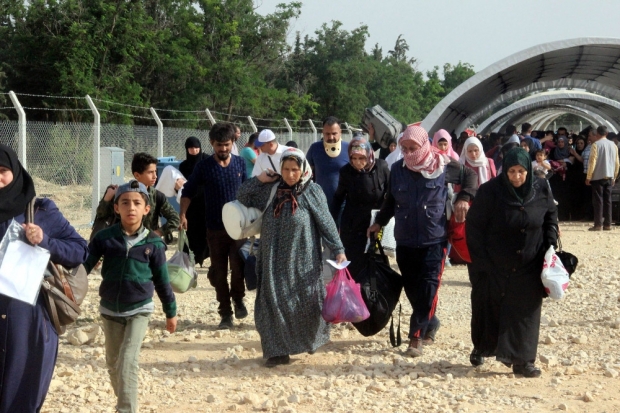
pixel 8 107
pixel 126 114
pixel 181 111
pixel 58 110
pixel 184 120
pixel 49 96
pixel 119 104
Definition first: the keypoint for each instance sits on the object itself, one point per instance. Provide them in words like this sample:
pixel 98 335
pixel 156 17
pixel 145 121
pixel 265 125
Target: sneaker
pixel 475 358
pixel 277 361
pixel 429 337
pixel 240 310
pixel 415 348
pixel 595 228
pixel 448 263
pixel 226 323
pixel 527 370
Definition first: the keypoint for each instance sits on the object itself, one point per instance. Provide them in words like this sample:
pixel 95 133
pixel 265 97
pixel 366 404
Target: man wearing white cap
pixel 271 151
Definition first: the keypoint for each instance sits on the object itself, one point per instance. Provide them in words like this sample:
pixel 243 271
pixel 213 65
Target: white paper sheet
pixel 21 271
pixel 337 266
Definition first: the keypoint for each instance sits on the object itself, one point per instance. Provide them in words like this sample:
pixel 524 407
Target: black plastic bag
pixel 381 288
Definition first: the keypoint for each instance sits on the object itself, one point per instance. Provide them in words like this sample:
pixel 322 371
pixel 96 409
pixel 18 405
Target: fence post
pixel 349 129
pixel 313 130
pixel 290 131
pixel 580 126
pixel 21 129
pixel 210 116
pixel 160 133
pixel 254 129
pixel 96 157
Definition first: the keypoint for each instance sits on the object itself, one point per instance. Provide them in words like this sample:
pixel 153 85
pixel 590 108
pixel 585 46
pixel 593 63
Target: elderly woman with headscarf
pixel 472 156
pixel 362 186
pixel 416 198
pixel 443 142
pixel 510 225
pixel 290 291
pixel 28 340
pixel 197 224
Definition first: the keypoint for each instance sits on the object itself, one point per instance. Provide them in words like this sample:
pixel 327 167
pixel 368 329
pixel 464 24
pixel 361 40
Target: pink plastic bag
pixel 344 302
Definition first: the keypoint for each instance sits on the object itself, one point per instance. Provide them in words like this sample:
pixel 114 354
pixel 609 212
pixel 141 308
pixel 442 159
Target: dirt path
pixel 199 369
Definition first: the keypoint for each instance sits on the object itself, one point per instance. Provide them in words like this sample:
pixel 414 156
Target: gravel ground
pixel 200 369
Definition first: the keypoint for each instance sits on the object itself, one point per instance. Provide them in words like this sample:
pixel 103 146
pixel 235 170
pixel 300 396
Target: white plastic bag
pixel 554 276
pixel 21 265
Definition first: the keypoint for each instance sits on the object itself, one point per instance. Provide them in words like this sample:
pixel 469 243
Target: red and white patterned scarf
pixel 427 159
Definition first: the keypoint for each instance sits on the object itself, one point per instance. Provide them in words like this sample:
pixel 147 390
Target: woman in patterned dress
pixel 290 291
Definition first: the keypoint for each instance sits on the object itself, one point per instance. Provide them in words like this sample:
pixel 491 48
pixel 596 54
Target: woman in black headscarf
pixel 510 225
pixel 197 225
pixel 28 340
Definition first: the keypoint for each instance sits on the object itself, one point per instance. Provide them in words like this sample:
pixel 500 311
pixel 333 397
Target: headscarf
pixel 359 146
pixel 426 160
pixel 192 160
pixel 443 134
pixel 585 143
pixel 560 154
pixel 481 164
pixel 397 155
pixel 15 196
pixel 531 146
pixel 518 156
pixel 287 193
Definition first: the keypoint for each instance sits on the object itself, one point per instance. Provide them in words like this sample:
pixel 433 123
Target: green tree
pixel 337 60
pixel 455 75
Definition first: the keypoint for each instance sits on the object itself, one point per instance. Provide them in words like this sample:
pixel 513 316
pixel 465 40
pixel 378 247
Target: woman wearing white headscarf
pixel 290 291
pixel 472 156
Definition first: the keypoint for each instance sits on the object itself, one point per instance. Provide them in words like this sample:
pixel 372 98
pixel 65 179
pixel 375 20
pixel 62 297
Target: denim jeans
pixel 123 340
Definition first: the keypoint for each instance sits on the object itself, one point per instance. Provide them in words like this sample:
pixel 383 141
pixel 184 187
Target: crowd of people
pixel 508 189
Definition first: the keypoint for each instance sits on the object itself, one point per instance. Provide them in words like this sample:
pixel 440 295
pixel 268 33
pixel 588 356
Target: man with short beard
pixel 221 175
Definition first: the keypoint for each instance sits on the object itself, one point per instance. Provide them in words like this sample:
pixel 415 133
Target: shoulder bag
pixel 63 289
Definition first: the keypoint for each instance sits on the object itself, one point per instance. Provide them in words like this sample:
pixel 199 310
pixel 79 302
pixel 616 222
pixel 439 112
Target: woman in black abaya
pixel 197 226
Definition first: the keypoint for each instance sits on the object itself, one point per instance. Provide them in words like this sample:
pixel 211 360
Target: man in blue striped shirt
pixel 221 174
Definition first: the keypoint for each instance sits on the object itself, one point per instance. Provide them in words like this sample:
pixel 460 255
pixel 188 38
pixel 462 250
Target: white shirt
pixel 234 150
pixel 262 161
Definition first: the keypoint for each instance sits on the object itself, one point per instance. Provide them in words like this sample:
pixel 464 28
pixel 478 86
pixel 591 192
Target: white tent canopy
pixel 584 60
pixel 607 109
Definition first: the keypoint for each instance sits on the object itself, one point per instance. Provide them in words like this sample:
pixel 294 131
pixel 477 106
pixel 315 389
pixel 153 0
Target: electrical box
pixel 112 167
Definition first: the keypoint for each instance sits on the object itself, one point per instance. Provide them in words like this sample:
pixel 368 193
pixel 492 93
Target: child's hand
pixel 171 324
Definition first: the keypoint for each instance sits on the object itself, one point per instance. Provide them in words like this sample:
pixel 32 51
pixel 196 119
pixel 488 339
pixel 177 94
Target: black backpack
pixel 103 223
pixel 381 287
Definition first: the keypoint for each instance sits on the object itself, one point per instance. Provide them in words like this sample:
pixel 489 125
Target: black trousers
pixel 222 249
pixel 601 202
pixel 421 269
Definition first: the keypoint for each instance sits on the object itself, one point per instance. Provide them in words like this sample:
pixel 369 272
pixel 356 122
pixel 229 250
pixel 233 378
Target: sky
pixel 479 32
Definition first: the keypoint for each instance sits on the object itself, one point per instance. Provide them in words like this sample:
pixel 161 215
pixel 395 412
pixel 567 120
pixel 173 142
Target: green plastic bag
pixel 181 267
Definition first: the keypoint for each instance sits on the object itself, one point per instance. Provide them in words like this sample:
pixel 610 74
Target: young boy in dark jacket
pixel 134 266
pixel 144 170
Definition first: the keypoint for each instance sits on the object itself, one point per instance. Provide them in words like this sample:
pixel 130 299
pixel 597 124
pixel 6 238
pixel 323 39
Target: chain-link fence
pixel 60 155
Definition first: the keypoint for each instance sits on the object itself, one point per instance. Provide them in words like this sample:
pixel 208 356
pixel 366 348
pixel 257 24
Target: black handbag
pixel 569 260
pixel 381 287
